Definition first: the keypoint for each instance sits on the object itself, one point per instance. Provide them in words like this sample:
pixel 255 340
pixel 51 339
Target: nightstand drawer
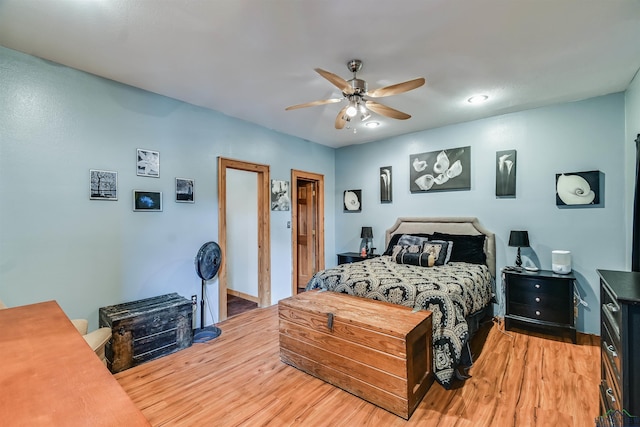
pixel 545 314
pixel 525 288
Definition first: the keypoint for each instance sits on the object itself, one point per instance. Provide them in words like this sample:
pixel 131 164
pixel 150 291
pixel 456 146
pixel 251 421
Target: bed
pixel 459 291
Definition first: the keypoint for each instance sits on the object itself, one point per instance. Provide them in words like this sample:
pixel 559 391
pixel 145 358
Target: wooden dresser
pixel 378 351
pixel 146 329
pixel 620 341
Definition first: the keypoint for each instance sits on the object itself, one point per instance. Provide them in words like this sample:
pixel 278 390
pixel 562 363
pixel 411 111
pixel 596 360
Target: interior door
pixel 306 232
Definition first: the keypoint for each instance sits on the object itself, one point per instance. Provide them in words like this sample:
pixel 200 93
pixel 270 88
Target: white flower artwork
pixel 440 170
pixel 578 189
pixel 352 200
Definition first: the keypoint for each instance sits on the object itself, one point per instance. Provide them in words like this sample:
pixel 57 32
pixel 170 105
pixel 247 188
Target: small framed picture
pixel 103 185
pixel 184 190
pixel 352 201
pixel 386 195
pixel 148 163
pixel 147 201
pixel 280 195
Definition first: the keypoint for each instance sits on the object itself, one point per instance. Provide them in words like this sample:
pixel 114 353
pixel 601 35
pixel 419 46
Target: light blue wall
pixel 56 123
pixel 632 125
pixel 579 136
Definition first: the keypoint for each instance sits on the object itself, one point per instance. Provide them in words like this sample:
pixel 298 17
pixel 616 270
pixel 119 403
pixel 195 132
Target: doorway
pixel 260 222
pixel 307 234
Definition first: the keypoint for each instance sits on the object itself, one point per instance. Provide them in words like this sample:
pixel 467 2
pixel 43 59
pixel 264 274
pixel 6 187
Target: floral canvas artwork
pixel 506 173
pixel 440 170
pixel 352 200
pixel 386 194
pixel 578 189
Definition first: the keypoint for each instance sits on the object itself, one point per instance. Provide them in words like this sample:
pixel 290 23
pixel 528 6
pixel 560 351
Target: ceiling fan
pixel 356 93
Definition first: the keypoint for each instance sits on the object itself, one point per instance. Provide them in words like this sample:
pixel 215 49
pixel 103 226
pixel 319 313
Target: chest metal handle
pixel 330 321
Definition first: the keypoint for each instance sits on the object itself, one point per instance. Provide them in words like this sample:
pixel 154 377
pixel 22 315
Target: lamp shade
pixel 519 239
pixel 366 233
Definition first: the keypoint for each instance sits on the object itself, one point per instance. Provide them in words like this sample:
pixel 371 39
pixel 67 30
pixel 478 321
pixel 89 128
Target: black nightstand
pixel 349 257
pixel 540 301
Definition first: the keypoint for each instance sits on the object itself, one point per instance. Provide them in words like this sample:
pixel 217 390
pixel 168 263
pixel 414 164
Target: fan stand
pixel 210 332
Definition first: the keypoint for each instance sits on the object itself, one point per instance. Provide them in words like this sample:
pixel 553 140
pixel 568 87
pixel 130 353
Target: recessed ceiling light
pixel 372 124
pixel 477 99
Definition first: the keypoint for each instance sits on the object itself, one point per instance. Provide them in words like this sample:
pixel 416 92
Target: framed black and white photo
pixel 148 163
pixel 579 189
pixel 184 190
pixel 352 200
pixel 103 185
pixel 280 200
pixel 440 170
pixel 386 188
pixel 506 173
pixel 147 201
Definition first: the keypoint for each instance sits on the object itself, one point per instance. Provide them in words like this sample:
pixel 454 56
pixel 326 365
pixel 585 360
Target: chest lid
pixel 145 306
pixel 387 318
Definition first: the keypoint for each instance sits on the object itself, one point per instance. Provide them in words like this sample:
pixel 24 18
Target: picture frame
pixel 441 170
pixel 103 185
pixel 386 187
pixel 147 163
pixel 579 189
pixel 280 199
pixel 506 165
pixel 352 200
pixel 185 190
pixel 147 201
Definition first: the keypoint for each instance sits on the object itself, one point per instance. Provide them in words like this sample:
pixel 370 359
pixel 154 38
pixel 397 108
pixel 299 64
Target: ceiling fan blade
pixel 337 81
pixel 397 88
pixel 340 120
pixel 314 103
pixel 386 111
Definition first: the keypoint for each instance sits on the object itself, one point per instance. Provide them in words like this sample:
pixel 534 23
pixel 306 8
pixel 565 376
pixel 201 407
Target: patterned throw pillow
pixel 411 240
pixel 413 255
pixel 440 249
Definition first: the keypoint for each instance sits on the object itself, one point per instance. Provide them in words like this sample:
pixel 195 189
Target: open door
pixel 307 226
pixel 263 241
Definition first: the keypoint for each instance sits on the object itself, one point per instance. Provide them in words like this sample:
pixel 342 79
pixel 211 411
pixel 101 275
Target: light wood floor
pixel 238 380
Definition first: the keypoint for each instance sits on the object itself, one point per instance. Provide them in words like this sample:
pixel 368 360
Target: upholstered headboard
pixel 451 225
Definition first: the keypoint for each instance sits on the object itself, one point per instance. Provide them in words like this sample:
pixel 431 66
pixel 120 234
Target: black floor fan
pixel 207 262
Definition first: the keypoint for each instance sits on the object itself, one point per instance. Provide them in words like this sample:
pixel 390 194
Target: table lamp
pixel 366 234
pixel 519 239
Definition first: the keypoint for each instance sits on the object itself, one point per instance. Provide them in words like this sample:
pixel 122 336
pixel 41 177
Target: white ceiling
pixel 252 58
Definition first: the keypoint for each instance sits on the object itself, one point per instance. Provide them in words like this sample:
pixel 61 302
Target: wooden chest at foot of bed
pixel 378 351
pixel 146 329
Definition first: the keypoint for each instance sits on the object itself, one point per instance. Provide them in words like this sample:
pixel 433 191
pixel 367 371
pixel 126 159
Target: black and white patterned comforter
pixel 451 292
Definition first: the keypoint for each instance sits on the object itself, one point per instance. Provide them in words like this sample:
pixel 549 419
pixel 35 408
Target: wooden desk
pixel 49 376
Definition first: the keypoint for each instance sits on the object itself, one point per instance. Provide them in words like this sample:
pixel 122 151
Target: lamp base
pixel 518 258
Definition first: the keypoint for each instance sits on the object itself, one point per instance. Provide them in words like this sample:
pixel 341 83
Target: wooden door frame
pixel 319 212
pixel 264 231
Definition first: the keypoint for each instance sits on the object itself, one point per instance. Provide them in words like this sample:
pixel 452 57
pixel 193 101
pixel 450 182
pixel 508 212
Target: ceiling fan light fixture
pixel 352 110
pixel 478 99
pixel 372 124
